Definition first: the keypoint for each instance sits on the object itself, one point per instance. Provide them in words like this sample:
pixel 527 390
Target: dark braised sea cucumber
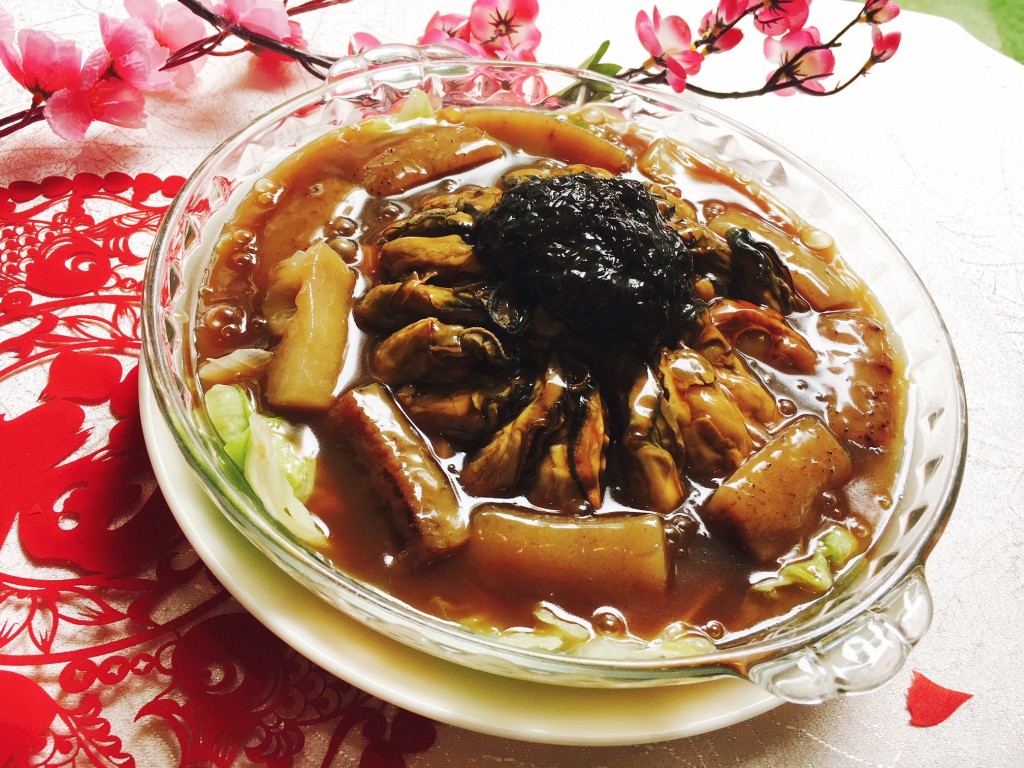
pixel 596 254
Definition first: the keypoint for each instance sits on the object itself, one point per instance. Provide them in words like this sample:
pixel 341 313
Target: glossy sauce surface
pixel 315 196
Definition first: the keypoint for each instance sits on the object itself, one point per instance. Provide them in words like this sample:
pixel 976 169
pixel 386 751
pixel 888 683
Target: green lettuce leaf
pixel 278 468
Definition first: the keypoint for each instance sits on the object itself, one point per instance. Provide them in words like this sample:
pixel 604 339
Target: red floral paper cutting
pixel 113 636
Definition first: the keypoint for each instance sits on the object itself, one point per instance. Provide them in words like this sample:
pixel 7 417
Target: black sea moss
pixel 596 254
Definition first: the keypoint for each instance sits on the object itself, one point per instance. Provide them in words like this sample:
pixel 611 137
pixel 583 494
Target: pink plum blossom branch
pixel 158 47
pixel 804 61
pixel 313 63
pixel 164 46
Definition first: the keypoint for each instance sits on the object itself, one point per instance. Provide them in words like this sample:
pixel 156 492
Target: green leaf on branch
pixel 591 89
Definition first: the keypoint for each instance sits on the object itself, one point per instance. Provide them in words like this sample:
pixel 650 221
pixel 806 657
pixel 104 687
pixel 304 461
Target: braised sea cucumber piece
pixel 597 254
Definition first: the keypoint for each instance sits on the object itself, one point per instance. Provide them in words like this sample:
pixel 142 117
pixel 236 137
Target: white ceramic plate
pixel 419 682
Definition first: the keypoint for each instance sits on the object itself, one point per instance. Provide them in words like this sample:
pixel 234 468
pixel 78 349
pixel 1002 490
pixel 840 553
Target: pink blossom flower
pixel 880 11
pixel 117 104
pixel 6 27
pixel 361 41
pixel 662 37
pixel 731 10
pixel 678 67
pixel 524 50
pixel 883 46
pixel 134 54
pixel 42 63
pixel 294 38
pixel 499 25
pixel 70 112
pixel 728 11
pixel 73 95
pixel 264 17
pixel 451 24
pixel 174 27
pixel 780 16
pixel 440 37
pixel 668 40
pixel 806 69
pixel 95 97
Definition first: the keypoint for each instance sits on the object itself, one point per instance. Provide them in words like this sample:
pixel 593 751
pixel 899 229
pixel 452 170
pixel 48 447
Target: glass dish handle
pixel 860 657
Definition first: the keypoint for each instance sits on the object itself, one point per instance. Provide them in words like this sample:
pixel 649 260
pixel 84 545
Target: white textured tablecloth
pixel 930 145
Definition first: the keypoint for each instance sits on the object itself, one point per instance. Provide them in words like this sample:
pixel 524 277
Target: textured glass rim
pixel 363 600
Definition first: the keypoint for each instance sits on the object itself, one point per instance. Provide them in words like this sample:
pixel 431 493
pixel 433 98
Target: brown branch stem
pixel 20 120
pixel 783 77
pixel 315 64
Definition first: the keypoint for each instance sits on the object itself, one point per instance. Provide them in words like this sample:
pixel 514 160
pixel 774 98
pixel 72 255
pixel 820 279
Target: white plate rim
pixel 416 681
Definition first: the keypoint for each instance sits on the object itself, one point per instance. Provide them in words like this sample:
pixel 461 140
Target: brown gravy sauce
pixel 309 198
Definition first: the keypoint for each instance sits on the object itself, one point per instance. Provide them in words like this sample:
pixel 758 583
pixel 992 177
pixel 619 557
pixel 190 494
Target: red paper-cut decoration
pixel 97 512
pixel 930 703
pixel 26 712
pixel 99 592
pixel 69 264
pixel 82 378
